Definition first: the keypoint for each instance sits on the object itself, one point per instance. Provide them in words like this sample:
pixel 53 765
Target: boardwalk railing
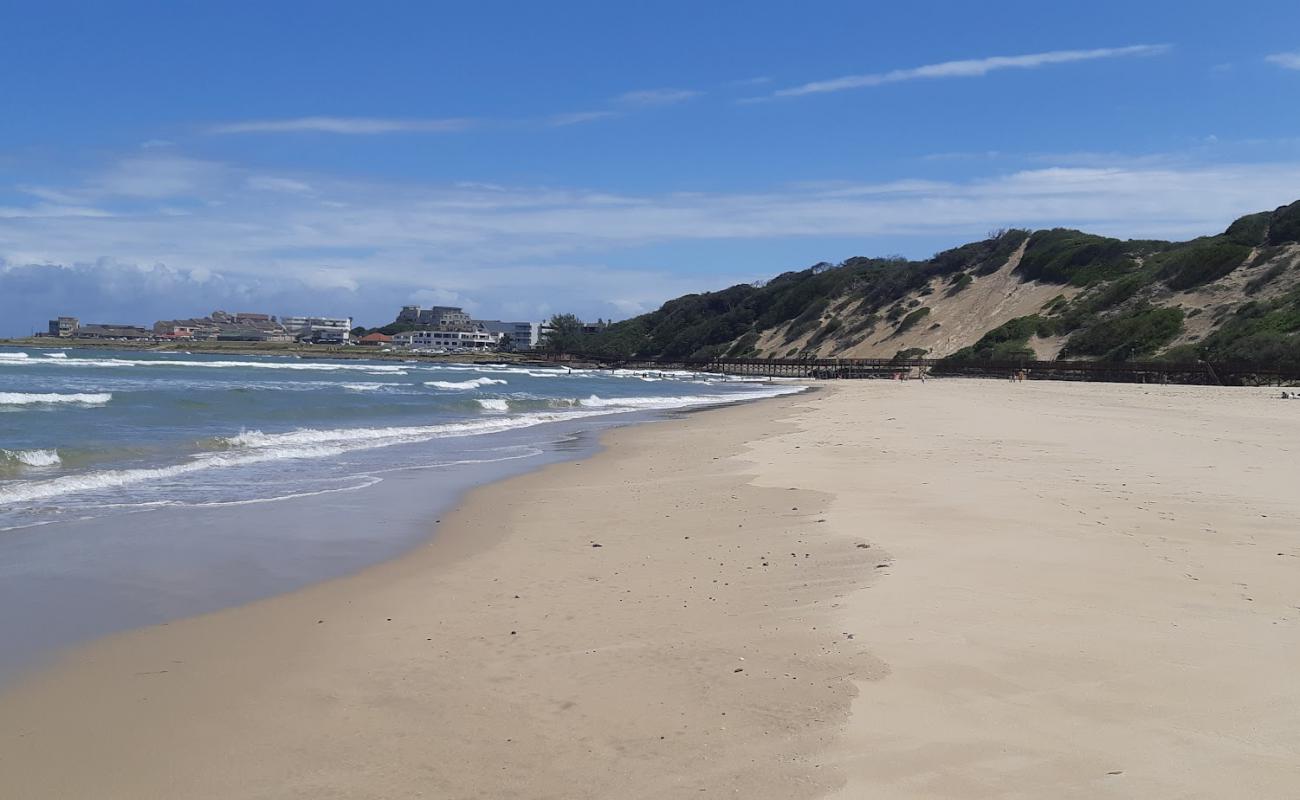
pixel 1201 372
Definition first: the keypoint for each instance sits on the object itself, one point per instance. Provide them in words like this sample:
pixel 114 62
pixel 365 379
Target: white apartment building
pixel 447 340
pixel 523 335
pixel 331 330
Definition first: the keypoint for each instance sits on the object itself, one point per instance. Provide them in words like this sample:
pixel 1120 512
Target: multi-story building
pixel 521 335
pixel 64 327
pixel 446 317
pixel 321 330
pixel 447 340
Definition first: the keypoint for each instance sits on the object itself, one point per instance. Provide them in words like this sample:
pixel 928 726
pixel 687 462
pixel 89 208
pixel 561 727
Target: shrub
pixel 911 319
pixel 1138 333
pixel 1200 262
pixel 1284 225
pixel 1249 230
pixel 1267 277
pixel 1062 255
pixel 959 282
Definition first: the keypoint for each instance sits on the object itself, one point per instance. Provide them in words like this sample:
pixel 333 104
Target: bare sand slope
pixel 1071 591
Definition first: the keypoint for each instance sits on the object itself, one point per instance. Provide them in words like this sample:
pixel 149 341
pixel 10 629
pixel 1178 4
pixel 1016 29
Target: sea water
pixel 137 487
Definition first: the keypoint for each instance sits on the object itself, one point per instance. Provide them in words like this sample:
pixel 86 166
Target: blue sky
pixel 166 158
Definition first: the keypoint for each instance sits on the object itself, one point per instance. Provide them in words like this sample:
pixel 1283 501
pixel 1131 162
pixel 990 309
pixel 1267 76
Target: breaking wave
pixel 473 383
pixel 30 458
pixel 32 398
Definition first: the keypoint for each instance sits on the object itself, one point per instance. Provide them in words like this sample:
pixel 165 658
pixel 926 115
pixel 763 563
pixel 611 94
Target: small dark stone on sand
pixel 738 669
pixel 512 633
pixel 863 546
pixel 597 544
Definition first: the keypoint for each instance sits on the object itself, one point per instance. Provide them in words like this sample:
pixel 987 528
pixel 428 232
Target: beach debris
pixel 597 544
pixel 738 669
pixel 1290 395
pixel 863 545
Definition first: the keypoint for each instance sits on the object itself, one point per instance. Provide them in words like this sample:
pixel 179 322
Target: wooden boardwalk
pixel 1203 373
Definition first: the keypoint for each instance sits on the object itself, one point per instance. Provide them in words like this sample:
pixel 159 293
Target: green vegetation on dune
pixel 1284 225
pixel 1062 255
pixel 1258 332
pixel 1200 262
pixel 1007 342
pixel 1117 315
pixel 1137 333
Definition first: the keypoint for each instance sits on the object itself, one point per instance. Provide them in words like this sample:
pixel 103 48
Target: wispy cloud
pixel 969 68
pixel 578 117
pixel 656 97
pixel 623 104
pixel 1285 60
pixel 343 125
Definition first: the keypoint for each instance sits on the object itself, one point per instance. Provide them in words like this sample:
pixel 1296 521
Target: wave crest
pixel 34 398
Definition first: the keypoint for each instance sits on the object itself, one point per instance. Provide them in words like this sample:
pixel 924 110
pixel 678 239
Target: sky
pixel 165 159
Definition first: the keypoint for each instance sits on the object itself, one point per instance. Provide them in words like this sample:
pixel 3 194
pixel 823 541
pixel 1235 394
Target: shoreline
pixel 188 672
pixel 968 589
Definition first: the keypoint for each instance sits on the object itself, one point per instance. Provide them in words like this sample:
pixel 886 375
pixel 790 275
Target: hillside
pixel 1045 294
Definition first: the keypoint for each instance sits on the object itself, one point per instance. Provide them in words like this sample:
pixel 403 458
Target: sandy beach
pixel 966 589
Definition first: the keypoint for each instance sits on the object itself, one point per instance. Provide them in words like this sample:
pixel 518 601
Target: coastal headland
pixel 883 589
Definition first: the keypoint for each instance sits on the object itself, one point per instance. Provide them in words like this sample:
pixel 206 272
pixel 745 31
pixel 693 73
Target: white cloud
pixel 271 183
pixel 656 97
pixel 969 68
pixel 578 117
pixel 1285 60
pixel 343 125
pixel 157 176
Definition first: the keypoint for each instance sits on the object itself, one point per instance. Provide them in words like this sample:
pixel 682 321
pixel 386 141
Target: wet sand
pixel 951 589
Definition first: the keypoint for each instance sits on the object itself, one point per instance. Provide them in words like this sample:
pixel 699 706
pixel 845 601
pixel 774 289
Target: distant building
pixel 319 330
pixel 445 317
pixel 447 340
pixel 521 335
pixel 221 326
pixel 112 331
pixel 172 330
pixel 64 327
pixel 375 339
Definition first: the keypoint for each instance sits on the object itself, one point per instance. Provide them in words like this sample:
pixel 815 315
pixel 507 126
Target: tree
pixel 563 334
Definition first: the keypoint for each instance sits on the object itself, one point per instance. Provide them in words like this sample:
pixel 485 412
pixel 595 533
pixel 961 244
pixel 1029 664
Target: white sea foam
pixel 31 458
pixel 308 366
pixel 595 401
pixel 473 383
pixel 364 387
pixel 251 447
pixel 56 355
pixel 31 398
pixel 494 404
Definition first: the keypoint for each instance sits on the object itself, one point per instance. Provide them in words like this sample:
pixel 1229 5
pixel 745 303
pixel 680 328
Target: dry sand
pixel 1069 591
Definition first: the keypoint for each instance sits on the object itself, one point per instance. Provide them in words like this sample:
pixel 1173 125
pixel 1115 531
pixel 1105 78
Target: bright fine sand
pixel 956 589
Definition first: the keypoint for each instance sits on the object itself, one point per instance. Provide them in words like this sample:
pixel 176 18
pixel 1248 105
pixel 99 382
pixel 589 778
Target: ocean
pixel 139 487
